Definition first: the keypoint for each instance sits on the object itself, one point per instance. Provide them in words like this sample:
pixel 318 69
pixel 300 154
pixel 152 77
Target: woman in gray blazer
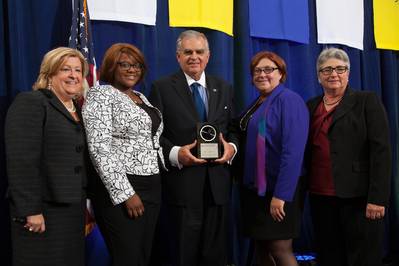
pixel 349 164
pixel 46 164
pixel 123 131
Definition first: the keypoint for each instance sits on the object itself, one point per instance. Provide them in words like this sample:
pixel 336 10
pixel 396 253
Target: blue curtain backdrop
pixel 29 28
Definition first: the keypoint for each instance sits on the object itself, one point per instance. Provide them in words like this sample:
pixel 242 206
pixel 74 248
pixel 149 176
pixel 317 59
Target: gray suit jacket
pixel 46 153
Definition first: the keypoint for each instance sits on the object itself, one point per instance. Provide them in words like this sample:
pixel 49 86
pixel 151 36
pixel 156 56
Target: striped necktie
pixel 199 103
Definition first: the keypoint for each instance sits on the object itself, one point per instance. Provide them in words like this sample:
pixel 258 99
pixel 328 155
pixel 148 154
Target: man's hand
pixel 277 209
pixel 185 156
pixel 228 151
pixel 374 211
pixel 35 223
pixel 134 206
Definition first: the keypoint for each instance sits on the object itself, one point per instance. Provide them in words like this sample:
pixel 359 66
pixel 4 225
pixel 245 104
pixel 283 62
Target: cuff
pixel 173 157
pixel 234 155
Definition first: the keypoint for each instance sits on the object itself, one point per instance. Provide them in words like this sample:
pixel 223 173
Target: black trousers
pixel 129 241
pixel 198 235
pixel 344 236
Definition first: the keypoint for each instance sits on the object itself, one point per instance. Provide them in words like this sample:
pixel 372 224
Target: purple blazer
pixel 287 124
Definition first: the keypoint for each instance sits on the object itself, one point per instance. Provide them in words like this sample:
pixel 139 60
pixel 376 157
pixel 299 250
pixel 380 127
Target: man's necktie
pixel 199 103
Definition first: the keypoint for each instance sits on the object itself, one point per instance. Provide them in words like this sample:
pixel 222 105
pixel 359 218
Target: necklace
pixel 135 99
pixel 71 109
pixel 332 103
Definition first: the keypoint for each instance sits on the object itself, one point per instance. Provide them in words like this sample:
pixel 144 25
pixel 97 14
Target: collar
pixel 276 91
pixel 201 81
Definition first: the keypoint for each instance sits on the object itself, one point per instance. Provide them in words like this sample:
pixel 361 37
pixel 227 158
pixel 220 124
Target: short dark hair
pixel 272 57
pixel 111 57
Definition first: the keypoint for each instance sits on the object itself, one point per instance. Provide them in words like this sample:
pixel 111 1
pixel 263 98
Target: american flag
pixel 81 40
pixel 81 37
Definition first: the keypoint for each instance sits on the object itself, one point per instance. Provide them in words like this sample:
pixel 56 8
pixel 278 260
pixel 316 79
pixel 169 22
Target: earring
pixel 49 85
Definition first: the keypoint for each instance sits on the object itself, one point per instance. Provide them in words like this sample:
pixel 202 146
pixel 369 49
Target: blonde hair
pixel 53 61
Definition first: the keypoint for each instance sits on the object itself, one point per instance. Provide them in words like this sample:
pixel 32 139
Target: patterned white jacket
pixel 119 139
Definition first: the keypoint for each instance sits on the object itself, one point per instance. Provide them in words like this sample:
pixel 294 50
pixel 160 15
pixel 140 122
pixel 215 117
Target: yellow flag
pixel 386 24
pixel 213 14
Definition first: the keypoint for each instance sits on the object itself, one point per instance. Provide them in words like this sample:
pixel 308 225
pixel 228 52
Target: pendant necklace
pixel 332 103
pixel 71 109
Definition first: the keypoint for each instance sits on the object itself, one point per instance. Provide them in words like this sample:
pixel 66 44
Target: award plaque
pixel 208 145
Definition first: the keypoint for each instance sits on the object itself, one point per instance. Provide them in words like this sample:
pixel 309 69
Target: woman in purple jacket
pixel 274 132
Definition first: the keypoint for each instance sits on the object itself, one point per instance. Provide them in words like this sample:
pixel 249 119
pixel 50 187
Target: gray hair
pixel 332 52
pixel 190 34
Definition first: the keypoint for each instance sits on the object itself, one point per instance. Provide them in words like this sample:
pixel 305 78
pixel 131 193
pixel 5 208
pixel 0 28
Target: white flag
pixel 136 11
pixel 340 21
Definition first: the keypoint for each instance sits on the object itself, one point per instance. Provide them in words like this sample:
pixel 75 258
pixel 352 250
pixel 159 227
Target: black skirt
pixel 61 244
pixel 257 222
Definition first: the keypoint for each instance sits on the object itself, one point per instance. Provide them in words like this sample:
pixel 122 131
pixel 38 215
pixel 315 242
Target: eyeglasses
pixel 266 70
pixel 329 70
pixel 126 66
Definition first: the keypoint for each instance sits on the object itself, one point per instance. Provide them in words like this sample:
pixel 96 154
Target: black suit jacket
pixel 172 96
pixel 46 153
pixel 359 147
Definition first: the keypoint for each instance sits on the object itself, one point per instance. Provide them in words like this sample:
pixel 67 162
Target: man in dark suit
pixel 196 190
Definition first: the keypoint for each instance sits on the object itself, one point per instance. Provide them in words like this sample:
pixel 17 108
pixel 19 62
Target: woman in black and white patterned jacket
pixel 123 131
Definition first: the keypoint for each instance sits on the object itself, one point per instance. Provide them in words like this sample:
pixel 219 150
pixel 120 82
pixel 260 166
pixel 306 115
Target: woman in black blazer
pixel 123 131
pixel 46 151
pixel 349 167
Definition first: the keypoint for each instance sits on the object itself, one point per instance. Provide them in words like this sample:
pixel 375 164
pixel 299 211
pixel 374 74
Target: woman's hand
pixel 35 223
pixel 134 206
pixel 277 209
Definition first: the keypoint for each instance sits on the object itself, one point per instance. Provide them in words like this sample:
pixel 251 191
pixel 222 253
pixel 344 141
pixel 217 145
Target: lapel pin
pixel 225 108
pixel 214 90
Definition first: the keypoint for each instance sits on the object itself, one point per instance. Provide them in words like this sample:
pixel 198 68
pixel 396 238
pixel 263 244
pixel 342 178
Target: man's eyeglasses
pixel 329 70
pixel 126 66
pixel 266 70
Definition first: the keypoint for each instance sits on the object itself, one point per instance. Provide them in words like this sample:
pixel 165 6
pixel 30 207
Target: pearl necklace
pixel 71 109
pixel 327 103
